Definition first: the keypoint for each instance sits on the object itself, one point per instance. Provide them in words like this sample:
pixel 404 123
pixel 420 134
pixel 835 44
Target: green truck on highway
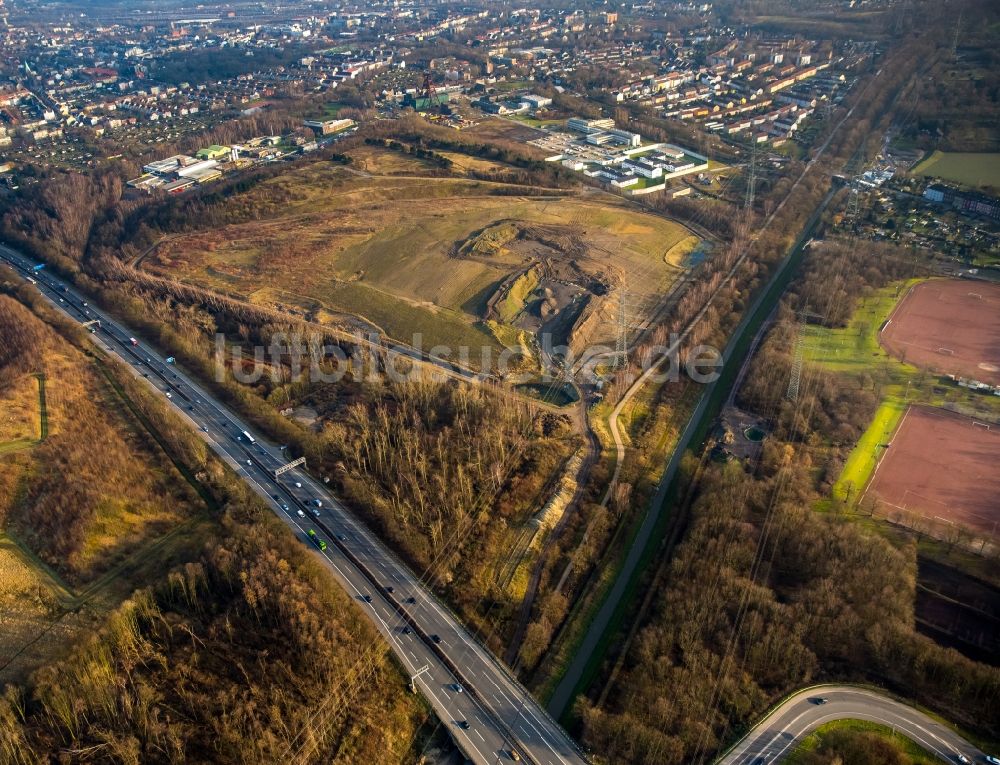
pixel 316 540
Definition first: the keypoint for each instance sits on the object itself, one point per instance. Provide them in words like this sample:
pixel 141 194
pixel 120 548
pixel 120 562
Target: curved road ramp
pixel 777 735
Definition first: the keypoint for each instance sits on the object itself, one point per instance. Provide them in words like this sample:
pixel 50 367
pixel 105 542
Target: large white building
pixel 585 126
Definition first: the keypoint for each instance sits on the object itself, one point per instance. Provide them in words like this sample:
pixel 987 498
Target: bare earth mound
pixel 942 465
pixel 950 326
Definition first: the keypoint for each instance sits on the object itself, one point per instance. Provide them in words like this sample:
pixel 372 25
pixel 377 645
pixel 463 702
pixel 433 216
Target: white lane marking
pixel 372 548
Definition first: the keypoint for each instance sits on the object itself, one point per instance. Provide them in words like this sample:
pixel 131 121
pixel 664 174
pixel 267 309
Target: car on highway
pixel 435 638
pixel 314 511
pixel 457 687
pixel 298 484
pixel 407 631
pixel 341 537
pixel 514 755
pixel 463 724
pixel 284 506
pixel 992 760
pixel 249 462
pixel 819 700
pixel 411 600
pixel 300 513
pixel 390 590
pixel 367 598
pixel 961 758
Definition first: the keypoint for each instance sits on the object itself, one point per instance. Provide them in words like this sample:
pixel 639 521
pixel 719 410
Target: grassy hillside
pixel 186 671
pixel 388 247
pixel 182 669
pixel 95 490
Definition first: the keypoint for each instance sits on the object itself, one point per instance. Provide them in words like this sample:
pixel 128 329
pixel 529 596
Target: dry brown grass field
pixel 20 415
pixel 394 248
pixel 84 510
pixel 93 490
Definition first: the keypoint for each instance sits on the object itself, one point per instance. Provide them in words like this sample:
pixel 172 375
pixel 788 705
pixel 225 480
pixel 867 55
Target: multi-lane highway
pixel 491 717
pixel 794 719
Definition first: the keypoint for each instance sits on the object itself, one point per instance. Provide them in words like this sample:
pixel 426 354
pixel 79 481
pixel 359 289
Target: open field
pixel 950 326
pixel 864 457
pixel 501 130
pixel 967 168
pixel 942 466
pixel 416 255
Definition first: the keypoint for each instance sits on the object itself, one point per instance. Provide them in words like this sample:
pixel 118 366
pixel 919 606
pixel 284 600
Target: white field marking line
pixel 920 496
pixel 878 464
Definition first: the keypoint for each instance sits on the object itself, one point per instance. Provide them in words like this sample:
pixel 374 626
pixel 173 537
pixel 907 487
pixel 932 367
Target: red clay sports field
pixel 942 465
pixel 949 326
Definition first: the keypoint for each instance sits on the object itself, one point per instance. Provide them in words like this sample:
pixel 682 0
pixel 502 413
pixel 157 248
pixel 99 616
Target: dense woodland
pixel 186 669
pixel 764 594
pixel 247 655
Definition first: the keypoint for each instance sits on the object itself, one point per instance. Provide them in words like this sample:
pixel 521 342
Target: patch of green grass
pixel 976 169
pixel 840 734
pixel 864 457
pixel 511 305
pixel 534 121
pixel 855 351
pixel 855 348
pixel 402 320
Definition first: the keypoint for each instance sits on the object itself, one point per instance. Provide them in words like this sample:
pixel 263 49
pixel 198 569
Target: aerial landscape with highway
pixel 438 383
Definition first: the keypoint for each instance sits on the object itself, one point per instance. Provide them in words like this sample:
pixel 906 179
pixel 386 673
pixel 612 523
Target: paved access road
pixel 779 733
pixel 486 711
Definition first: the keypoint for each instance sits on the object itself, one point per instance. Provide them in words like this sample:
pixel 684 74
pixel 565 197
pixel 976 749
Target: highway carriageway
pixel 486 711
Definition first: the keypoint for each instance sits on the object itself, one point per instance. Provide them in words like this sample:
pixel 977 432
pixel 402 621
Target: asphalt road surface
pixel 779 733
pixel 487 713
